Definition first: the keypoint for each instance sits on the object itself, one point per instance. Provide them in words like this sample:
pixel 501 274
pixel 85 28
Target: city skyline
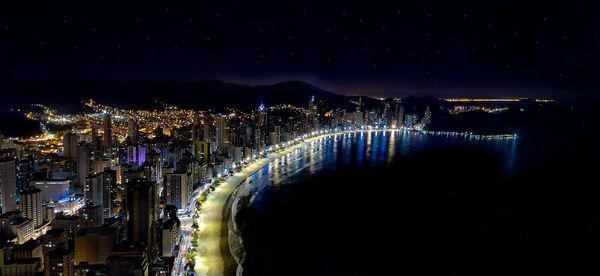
pixel 217 138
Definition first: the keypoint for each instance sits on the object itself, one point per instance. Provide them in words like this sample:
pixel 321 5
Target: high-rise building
pixel 133 132
pixel 357 118
pixel 109 183
pixel 91 216
pixel 222 134
pixel 24 173
pixel 70 143
pixel 410 120
pixel 17 266
pixel 313 114
pixel 93 190
pixel 202 151
pixel 387 113
pixel 107 136
pixel 262 120
pixel 177 189
pixel 31 205
pixel 8 185
pixel 399 115
pixel 141 212
pixel 59 262
pixel 426 119
pixel 169 236
pixel 206 127
pixel 93 245
pixel 83 166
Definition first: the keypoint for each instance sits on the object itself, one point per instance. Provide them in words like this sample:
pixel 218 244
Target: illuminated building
pixel 399 115
pixel 169 236
pixel 71 224
pixel 70 143
pixel 55 238
pixel 17 266
pixel 133 132
pixel 410 120
pixel 178 189
pixel 313 114
pixel 136 154
pixel 52 190
pixel 202 151
pixel 31 205
pixel 93 190
pixel 357 118
pixel 59 262
pixel 29 249
pixel 222 134
pixel 8 182
pixel 128 258
pixel 109 183
pixel 83 166
pixel 141 212
pixel 24 173
pixel 93 245
pixel 107 136
pixel 426 119
pixel 91 216
pixel 22 228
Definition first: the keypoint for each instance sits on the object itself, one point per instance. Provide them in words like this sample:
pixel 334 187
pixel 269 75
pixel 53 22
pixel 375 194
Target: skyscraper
pixel 222 134
pixel 399 114
pixel 206 127
pixel 59 262
pixel 83 166
pixel 8 182
pixel 133 132
pixel 31 205
pixel 109 182
pixel 262 119
pixel 202 151
pixel 107 136
pixel 177 189
pixel 313 114
pixel 93 190
pixel 426 119
pixel 70 142
pixel 141 202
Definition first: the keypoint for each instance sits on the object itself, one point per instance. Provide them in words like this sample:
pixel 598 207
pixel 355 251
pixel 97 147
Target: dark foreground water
pixel 411 204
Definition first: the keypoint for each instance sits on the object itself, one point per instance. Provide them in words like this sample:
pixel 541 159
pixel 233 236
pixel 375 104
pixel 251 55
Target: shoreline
pixel 214 257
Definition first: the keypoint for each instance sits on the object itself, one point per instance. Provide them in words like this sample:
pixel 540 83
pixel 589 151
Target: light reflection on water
pixel 368 148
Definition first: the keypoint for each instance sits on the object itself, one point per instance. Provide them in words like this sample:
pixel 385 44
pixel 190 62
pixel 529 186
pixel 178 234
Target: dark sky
pixel 487 48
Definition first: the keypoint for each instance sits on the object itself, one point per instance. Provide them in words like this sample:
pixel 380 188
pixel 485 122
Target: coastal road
pixel 209 260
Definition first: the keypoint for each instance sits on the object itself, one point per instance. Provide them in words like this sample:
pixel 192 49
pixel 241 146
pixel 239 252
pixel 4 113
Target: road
pixel 209 260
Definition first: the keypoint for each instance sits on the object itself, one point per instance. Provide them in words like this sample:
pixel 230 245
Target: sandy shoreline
pixel 214 256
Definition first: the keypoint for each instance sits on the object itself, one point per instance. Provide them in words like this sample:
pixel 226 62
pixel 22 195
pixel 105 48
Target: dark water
pixel 410 204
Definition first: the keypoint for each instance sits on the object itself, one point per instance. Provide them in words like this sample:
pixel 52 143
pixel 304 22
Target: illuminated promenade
pixel 209 260
pixel 213 227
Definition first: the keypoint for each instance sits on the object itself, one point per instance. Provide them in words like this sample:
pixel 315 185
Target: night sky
pixel 483 48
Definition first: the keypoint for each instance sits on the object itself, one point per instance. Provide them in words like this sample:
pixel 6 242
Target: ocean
pixel 393 203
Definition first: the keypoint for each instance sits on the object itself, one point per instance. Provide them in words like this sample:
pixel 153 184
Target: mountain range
pixel 68 94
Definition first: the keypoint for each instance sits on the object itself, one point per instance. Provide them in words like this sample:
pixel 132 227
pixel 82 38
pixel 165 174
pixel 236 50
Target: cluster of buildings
pixel 109 200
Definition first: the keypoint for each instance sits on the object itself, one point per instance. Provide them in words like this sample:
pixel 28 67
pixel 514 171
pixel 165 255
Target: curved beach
pixel 213 256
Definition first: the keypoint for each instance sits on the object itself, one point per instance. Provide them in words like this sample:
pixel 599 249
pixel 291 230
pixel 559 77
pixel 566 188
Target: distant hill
pixel 68 94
